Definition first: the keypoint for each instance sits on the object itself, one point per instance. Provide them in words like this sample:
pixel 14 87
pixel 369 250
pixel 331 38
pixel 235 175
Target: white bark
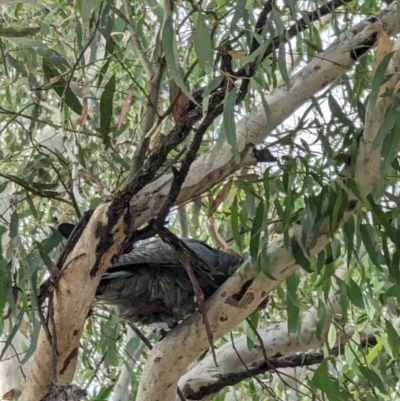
pixel 122 388
pixel 282 102
pixel 167 362
pixel 275 338
pixel 72 302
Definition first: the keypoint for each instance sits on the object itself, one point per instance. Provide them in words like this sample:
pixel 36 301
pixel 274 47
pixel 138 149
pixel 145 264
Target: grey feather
pixel 150 285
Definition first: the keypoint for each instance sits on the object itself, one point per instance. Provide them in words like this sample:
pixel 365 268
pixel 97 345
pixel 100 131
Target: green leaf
pixel 48 54
pixel 378 79
pixel 14 225
pixel 368 237
pixel 106 21
pixel 33 261
pixel 12 333
pixel 61 88
pixel 257 53
pixel 339 207
pixel 267 129
pixel 238 14
pixel 337 111
pixel 393 338
pixel 87 8
pixel 372 377
pixel 52 242
pixel 348 230
pixel 332 336
pixel 256 232
pixel 300 257
pixel 235 223
pixel 292 303
pixel 213 84
pixel 321 313
pixel 321 381
pixel 18 32
pixel 132 345
pixel 344 299
pixel 105 392
pixel 356 189
pixel 381 216
pixel 172 58
pixel 106 110
pixel 3 186
pixel 389 149
pixel 390 120
pixel 202 42
pixel 282 64
pixel 229 122
pixel 355 294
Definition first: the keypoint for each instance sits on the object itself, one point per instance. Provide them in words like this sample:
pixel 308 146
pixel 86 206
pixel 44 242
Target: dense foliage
pixel 76 102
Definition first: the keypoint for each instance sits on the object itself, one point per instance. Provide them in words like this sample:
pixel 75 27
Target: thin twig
pixel 276 362
pixel 184 256
pixel 147 68
pixel 140 335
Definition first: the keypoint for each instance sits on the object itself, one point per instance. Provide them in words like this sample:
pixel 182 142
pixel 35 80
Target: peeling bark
pixel 72 301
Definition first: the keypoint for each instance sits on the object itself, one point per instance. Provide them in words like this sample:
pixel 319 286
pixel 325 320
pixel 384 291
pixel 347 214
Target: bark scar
pixel 243 297
pixel 68 360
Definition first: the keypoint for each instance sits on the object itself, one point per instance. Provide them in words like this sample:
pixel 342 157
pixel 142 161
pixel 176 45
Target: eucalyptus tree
pixel 270 127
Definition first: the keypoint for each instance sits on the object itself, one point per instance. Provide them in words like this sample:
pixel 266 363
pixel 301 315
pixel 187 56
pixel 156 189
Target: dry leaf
pixel 14 393
pixel 216 235
pixel 125 108
pixel 178 107
pixel 23 328
pixel 236 55
pixel 175 92
pixel 264 303
pixel 55 79
pixel 223 194
pixel 85 109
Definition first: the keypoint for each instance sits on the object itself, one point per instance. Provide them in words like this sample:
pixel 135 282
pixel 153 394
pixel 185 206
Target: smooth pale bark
pixel 282 102
pixel 159 381
pixel 167 361
pixel 72 301
pixel 276 340
pixel 231 359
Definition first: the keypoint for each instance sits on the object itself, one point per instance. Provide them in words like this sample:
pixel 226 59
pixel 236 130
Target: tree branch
pixel 275 340
pixel 231 304
pixel 241 294
pixel 282 102
pixel 277 362
pixel 147 68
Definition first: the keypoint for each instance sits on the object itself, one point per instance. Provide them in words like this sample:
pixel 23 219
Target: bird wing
pixel 159 253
